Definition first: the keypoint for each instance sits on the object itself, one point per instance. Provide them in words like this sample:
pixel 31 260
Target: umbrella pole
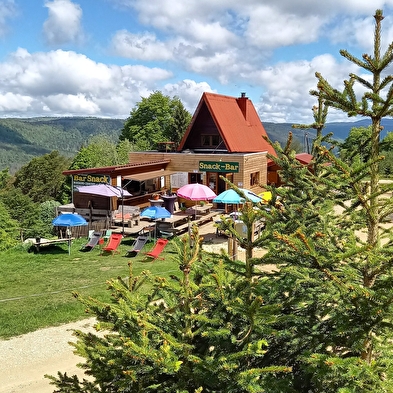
pixel 122 212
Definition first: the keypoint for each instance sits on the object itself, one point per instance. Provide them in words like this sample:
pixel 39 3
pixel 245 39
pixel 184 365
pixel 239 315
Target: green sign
pixel 218 166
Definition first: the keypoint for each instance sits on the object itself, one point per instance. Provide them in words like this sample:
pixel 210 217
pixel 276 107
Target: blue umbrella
pixel 155 213
pixel 230 196
pixel 69 220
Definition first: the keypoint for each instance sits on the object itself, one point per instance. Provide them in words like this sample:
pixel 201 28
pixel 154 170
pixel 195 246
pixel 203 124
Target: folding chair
pixel 157 249
pixel 93 241
pixel 138 244
pixel 113 243
pixel 107 234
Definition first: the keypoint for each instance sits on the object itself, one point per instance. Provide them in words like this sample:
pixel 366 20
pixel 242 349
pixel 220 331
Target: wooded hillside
pixel 23 139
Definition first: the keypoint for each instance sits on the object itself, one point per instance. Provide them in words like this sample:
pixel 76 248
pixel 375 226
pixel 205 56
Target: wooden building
pixel 225 138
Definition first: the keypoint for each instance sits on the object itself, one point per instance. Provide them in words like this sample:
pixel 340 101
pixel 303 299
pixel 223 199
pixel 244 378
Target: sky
pixel 99 58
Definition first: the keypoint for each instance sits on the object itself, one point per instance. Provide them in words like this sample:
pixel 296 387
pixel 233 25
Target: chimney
pixel 242 102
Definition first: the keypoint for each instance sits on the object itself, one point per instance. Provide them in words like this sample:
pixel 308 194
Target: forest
pixel 25 138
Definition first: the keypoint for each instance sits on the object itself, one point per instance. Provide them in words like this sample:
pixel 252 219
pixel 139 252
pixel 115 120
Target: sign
pixel 218 166
pixel 79 180
pixel 179 179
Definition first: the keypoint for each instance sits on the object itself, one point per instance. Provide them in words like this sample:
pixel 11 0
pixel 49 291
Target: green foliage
pixel 5 179
pixel 358 143
pixel 334 283
pixel 24 211
pixel 386 165
pixel 123 149
pixel 181 118
pixel 332 323
pixel 48 212
pixel 9 232
pixel 41 179
pixel 155 119
pixel 100 151
pixel 24 139
pixel 195 332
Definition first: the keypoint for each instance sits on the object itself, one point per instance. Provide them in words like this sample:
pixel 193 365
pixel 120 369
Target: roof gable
pixel 236 121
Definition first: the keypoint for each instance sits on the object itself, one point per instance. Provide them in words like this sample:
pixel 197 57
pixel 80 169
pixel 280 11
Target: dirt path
pixel 26 359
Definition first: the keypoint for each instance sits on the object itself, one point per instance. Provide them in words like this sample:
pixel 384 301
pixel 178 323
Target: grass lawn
pixel 36 289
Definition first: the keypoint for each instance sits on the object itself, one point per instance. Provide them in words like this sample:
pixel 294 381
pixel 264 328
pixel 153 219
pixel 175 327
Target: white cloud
pixel 286 95
pixel 68 81
pixel 143 46
pixel 270 28
pixel 10 102
pixel 64 22
pixel 195 46
pixel 189 92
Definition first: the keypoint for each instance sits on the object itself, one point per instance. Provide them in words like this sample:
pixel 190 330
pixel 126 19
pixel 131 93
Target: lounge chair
pixel 107 234
pixel 138 244
pixel 157 249
pixel 93 241
pixel 113 243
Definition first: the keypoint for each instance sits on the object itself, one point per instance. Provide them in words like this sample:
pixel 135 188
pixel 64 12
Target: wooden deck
pixel 178 223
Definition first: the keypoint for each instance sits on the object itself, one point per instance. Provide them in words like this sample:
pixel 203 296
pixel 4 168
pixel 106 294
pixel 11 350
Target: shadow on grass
pixel 49 249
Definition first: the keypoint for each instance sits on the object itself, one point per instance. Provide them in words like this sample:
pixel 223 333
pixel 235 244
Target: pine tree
pixel 195 332
pixel 334 284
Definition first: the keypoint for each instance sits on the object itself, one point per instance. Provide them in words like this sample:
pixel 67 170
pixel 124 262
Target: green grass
pixel 36 289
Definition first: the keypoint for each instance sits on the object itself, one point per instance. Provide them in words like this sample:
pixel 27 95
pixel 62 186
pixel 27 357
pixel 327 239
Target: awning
pixel 149 175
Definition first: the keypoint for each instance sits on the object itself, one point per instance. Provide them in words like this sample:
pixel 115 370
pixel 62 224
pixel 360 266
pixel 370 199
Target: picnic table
pixel 38 242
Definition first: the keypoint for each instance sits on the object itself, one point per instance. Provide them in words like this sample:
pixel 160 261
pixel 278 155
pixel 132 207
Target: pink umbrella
pixel 104 190
pixel 196 192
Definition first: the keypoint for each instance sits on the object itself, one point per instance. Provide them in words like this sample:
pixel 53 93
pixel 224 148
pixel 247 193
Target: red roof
pixel 304 158
pixel 237 122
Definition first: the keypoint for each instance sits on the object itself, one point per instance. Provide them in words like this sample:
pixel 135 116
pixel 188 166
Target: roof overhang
pixel 149 175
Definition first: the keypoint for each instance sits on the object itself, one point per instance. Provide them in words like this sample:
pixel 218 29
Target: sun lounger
pixel 113 243
pixel 93 241
pixel 138 244
pixel 157 249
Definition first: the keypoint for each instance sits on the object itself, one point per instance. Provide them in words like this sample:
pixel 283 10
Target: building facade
pixel 225 140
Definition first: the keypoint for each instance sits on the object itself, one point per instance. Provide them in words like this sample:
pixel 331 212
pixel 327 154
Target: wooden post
pixel 232 248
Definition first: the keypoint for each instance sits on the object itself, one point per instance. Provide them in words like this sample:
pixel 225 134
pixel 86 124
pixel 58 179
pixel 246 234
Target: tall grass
pixel 36 289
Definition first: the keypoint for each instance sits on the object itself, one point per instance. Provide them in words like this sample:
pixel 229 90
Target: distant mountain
pixel 23 139
pixel 279 131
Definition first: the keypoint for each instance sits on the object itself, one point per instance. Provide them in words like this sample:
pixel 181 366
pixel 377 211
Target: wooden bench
pixel 38 243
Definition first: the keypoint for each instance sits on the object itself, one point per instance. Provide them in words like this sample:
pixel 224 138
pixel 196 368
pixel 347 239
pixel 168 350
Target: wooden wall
pixel 189 162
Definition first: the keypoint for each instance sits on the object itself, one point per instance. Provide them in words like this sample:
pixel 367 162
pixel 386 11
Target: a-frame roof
pixel 237 122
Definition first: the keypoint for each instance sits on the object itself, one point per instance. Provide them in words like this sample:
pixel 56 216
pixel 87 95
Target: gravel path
pixel 26 359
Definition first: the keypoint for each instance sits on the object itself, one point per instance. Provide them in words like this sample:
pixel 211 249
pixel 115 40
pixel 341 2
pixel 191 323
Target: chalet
pixel 225 139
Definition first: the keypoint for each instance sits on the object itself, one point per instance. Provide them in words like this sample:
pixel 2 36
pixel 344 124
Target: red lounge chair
pixel 157 249
pixel 113 243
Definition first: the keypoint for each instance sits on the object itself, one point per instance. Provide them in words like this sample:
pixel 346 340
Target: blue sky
pixel 98 58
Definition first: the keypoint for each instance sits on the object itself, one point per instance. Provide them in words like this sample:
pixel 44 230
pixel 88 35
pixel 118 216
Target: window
pixel 210 140
pixel 254 178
